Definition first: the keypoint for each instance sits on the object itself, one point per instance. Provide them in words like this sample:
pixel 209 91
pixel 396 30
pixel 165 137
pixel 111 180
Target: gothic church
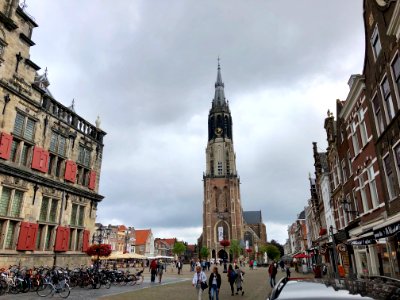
pixel 223 216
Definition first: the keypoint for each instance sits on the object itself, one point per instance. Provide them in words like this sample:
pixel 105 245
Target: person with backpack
pixel 160 270
pixel 153 270
pixel 239 280
pixel 231 278
pixel 272 270
pixel 199 278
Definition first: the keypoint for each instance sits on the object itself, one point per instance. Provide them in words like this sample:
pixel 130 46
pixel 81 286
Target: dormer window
pixel 376 43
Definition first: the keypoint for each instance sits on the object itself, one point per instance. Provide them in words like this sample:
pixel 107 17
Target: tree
pixel 272 252
pixel 179 248
pixel 204 252
pixel 235 248
pixel 279 246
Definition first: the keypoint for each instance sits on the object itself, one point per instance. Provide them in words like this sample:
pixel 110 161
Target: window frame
pixel 388 106
pixel 375 40
pixel 390 178
pixel 378 116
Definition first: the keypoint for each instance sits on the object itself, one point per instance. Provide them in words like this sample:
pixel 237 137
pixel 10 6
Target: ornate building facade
pixel 50 159
pixel 222 208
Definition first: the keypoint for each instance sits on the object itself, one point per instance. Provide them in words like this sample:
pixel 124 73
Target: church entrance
pixel 222 254
pixel 213 255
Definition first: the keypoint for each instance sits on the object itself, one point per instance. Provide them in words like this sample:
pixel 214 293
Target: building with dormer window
pixel 50 159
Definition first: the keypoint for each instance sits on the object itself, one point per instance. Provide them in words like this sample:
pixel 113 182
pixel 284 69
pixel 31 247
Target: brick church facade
pixel 223 216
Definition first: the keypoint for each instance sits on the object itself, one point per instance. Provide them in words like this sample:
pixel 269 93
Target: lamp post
pixel 99 235
pixel 334 252
pixel 225 243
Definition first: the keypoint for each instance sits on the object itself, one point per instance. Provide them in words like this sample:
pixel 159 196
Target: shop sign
pixel 363 242
pixel 341 247
pixel 387 230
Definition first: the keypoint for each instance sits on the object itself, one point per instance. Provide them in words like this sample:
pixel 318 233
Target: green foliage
pixel 272 252
pixel 204 252
pixel 262 249
pixel 279 246
pixel 179 248
pixel 235 248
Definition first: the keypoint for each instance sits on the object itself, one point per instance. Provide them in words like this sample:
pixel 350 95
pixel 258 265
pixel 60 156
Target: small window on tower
pixel 219 168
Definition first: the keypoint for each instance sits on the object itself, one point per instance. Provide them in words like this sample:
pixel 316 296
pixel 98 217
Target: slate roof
pixel 252 217
pixel 302 216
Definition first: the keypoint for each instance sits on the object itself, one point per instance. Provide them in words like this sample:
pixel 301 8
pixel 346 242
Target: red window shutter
pixel 59 239
pixel 70 171
pixel 85 240
pixel 5 145
pixel 44 161
pixel 23 236
pixel 65 242
pixel 36 158
pixel 40 159
pixel 33 230
pixel 92 180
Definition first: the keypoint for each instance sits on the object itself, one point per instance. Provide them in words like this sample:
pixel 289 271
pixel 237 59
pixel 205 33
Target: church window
pixel 219 168
pixel 248 237
pixel 212 168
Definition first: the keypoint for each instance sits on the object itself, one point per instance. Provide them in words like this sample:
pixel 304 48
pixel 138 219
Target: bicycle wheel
pixel 64 291
pixel 45 291
pixel 3 287
pixel 133 280
pixel 106 283
pixel 140 279
pixel 13 289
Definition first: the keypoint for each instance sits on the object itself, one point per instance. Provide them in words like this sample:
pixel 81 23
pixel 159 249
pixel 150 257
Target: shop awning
pixel 119 255
pixel 364 239
pixel 390 227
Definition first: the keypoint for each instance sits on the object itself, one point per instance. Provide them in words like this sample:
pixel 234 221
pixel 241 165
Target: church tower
pixel 222 209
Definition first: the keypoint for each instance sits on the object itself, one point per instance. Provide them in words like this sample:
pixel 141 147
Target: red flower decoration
pixel 249 250
pixel 225 243
pixel 322 231
pixel 99 249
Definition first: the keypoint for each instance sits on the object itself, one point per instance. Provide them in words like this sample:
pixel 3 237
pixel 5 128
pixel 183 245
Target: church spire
pixel 219 97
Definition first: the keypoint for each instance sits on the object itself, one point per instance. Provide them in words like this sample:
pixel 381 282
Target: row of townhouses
pixel 353 215
pixel 125 239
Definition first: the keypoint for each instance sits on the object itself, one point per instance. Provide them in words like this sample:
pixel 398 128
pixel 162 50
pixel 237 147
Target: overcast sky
pixel 148 68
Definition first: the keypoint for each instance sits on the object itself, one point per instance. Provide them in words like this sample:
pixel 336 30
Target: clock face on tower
pixel 218 131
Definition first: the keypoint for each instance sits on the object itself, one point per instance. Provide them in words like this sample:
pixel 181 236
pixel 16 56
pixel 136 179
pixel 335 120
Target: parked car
pixel 309 289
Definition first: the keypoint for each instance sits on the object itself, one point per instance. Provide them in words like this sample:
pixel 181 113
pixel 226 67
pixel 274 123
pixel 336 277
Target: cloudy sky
pixel 148 68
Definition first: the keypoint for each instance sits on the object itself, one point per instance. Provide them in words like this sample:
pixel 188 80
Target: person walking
pixel 239 280
pixel 272 270
pixel 231 278
pixel 288 271
pixel 198 278
pixel 214 283
pixel 160 270
pixel 153 270
pixel 179 266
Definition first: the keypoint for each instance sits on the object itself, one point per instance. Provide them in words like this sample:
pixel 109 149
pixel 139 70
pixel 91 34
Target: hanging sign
pixel 220 234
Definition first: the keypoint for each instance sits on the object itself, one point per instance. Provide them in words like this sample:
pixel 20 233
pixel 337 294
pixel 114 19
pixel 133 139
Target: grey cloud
pixel 148 69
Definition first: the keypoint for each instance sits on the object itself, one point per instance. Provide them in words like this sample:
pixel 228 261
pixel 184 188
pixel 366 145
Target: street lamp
pixel 225 243
pixel 334 252
pixel 99 235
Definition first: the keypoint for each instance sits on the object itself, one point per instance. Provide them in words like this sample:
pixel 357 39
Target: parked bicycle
pixel 56 283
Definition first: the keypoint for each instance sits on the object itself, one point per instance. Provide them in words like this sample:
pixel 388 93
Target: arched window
pixel 248 237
